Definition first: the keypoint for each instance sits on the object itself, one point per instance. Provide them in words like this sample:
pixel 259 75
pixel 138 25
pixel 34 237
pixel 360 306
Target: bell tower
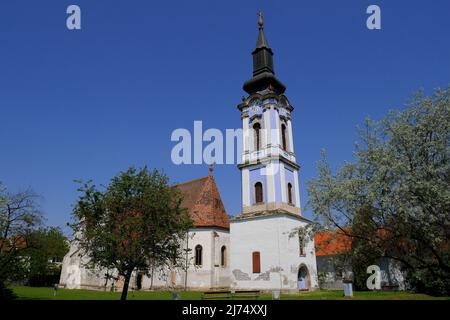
pixel 268 166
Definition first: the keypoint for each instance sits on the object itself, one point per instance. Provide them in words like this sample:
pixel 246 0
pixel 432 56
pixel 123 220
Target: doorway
pixel 303 278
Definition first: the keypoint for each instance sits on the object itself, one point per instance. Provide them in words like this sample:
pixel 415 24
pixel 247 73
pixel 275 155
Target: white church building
pixel 259 249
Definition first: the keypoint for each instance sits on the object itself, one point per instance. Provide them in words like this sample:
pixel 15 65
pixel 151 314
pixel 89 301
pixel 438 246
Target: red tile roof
pixel 20 242
pixel 329 243
pixel 202 199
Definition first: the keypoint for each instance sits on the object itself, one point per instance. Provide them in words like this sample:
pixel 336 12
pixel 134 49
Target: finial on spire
pixel 211 169
pixel 260 20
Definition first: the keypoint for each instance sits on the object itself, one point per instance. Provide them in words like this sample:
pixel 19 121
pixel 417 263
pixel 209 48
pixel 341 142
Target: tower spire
pixel 263 70
pixel 261 42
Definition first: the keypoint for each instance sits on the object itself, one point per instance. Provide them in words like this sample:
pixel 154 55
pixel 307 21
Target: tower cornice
pixel 265 96
pixel 267 159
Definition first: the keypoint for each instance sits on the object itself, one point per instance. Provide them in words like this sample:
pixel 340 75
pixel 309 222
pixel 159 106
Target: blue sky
pixel 88 104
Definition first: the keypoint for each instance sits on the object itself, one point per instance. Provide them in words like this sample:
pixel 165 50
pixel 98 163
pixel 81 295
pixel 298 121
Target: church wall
pixel 75 275
pixel 210 274
pixel 279 254
pixel 222 273
pixel 70 271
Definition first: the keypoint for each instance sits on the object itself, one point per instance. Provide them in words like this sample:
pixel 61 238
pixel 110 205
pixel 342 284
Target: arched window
pixel 256 262
pixel 198 255
pixel 283 137
pixel 259 193
pixel 257 136
pixel 289 192
pixel 223 256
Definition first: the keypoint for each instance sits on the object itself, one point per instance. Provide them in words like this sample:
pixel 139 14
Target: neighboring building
pixel 262 247
pixel 264 253
pixel 331 270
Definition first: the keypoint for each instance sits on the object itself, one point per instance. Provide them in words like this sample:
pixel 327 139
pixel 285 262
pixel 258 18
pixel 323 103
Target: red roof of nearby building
pixel 202 199
pixel 331 242
pixel 20 242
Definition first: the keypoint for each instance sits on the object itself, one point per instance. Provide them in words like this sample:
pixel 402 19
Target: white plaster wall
pixel 245 187
pixel 222 272
pixel 70 271
pixel 210 274
pixel 75 275
pixel 279 254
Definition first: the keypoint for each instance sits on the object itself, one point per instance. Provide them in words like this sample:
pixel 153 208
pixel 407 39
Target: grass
pixel 40 293
pixel 360 295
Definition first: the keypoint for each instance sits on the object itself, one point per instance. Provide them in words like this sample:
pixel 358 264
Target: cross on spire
pixel 260 20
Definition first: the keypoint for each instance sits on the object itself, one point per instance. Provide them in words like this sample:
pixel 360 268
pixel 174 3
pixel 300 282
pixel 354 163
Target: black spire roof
pixel 263 71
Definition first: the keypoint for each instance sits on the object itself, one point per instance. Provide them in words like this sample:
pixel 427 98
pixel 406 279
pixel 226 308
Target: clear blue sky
pixel 88 104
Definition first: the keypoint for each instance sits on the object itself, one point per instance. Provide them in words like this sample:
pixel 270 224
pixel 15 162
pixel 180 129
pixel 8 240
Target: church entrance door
pixel 302 278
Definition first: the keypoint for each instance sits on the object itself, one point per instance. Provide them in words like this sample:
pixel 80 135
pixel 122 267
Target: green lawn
pixel 64 294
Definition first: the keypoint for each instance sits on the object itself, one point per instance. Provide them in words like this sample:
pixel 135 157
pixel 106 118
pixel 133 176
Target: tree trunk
pixel 126 283
pixel 151 283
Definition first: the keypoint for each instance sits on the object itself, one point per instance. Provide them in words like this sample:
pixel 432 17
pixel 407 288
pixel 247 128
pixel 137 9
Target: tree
pixel 47 248
pixel 395 195
pixel 135 222
pixel 19 217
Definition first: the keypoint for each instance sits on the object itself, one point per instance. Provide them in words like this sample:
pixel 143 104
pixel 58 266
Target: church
pixel 262 247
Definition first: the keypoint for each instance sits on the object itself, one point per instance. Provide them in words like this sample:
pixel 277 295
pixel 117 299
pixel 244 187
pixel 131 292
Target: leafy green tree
pixel 135 222
pixel 363 253
pixel 46 250
pixel 20 216
pixel 396 193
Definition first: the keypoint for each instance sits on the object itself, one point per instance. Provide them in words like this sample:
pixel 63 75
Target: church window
pixel 289 192
pixel 259 193
pixel 223 256
pixel 257 136
pixel 283 137
pixel 198 255
pixel 256 262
